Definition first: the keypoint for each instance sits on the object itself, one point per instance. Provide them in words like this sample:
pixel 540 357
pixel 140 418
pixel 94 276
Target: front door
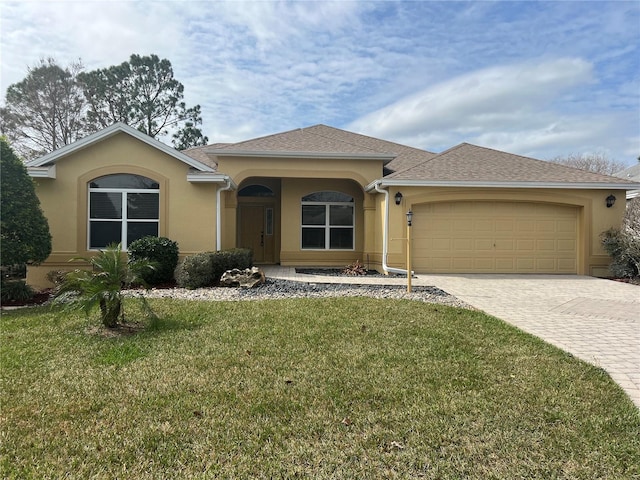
pixel 256 232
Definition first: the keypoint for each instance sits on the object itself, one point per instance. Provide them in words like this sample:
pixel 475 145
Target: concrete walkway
pixel 596 320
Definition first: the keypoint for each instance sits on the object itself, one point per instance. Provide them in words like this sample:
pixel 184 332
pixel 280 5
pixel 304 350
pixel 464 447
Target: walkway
pixel 596 320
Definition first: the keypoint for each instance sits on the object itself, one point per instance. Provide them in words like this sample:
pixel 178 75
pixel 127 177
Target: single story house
pixel 321 196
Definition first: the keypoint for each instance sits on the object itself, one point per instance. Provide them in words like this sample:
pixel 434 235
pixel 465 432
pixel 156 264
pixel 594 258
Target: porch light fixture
pixel 610 201
pixel 410 217
pixel 398 198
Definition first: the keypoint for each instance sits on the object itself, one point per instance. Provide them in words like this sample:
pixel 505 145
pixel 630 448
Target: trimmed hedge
pixel 205 269
pixel 160 251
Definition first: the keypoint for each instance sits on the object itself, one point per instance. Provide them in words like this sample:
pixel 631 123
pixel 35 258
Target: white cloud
pixel 493 96
pixel 538 76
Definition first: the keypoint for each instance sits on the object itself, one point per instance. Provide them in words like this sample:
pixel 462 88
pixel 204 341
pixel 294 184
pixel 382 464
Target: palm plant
pixel 103 286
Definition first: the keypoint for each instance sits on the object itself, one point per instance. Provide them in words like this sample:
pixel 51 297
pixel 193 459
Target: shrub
pixel 356 268
pixel 224 260
pixel 195 271
pixel 623 245
pixel 161 252
pixel 15 290
pixel 205 269
pixel 103 285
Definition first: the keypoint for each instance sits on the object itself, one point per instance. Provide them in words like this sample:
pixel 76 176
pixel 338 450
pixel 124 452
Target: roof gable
pixel 322 140
pixel 472 163
pixel 57 155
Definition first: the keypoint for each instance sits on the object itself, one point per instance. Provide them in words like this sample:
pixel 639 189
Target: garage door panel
pixel 505 237
pixel 525 245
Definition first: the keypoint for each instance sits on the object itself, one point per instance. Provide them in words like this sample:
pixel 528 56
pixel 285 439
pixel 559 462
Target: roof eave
pixel 386 158
pixel 47 171
pixel 488 184
pixel 208 177
pixel 109 132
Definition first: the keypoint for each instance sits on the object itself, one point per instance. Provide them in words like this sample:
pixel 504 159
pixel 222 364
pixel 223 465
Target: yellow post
pixel 409 256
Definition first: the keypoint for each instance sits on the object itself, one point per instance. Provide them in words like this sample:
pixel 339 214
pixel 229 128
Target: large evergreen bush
pixel 161 252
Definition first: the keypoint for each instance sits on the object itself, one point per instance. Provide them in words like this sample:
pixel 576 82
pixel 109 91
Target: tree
pixel 144 94
pixel 594 162
pixel 24 230
pixel 44 111
pixel 103 285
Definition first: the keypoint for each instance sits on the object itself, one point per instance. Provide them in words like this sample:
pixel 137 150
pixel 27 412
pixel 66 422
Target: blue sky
pixel 536 78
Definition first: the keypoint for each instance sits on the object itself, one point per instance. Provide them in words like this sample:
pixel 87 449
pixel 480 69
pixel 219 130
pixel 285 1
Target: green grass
pixel 323 388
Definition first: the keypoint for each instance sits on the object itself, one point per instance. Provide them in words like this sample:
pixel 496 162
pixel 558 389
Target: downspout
pixel 385 234
pixel 226 188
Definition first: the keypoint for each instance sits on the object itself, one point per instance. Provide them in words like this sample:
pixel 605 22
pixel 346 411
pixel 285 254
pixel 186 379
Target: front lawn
pixel 316 388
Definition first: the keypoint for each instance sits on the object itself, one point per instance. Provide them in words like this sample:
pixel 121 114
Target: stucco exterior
pixel 356 166
pixel 187 210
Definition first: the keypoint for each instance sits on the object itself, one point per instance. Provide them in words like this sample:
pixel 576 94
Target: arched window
pixel 255 191
pixel 327 221
pixel 122 208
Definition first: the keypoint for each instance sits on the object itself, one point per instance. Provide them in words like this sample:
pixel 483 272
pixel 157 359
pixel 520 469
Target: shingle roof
pixel 631 173
pixel 320 139
pixel 466 162
pixel 198 153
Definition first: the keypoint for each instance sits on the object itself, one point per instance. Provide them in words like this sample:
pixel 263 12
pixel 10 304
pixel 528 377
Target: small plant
pixel 356 268
pixel 56 277
pixel 15 291
pixel 159 250
pixel 111 273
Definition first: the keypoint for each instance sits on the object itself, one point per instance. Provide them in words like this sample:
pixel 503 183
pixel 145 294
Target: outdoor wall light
pixel 610 201
pixel 398 198
pixel 409 218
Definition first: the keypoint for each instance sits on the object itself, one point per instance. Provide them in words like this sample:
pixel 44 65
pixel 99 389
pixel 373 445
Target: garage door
pixel 494 237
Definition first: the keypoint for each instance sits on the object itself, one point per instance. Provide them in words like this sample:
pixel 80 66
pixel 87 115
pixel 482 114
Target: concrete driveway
pixel 596 320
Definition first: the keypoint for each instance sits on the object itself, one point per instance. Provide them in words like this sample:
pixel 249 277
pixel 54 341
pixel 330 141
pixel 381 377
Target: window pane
pixel 341 238
pixel 313 237
pixel 313 214
pixel 136 230
pixel 124 180
pixel 341 215
pixel 106 205
pixel 102 234
pixel 255 191
pixel 327 197
pixel 143 205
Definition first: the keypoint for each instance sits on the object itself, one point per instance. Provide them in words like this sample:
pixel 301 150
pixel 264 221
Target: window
pixel 255 191
pixel 327 221
pixel 122 208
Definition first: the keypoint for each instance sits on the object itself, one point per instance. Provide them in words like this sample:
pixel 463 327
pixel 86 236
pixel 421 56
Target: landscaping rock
pixel 247 278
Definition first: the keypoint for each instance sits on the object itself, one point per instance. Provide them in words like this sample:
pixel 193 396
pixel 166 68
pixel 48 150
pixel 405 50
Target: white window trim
pixel 124 220
pixel 327 227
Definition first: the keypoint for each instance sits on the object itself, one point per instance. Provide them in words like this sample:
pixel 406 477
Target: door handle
pixel 262 239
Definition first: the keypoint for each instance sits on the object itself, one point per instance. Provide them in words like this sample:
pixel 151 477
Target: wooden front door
pixel 256 232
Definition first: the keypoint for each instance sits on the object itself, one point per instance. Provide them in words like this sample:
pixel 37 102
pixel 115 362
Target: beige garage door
pixel 494 237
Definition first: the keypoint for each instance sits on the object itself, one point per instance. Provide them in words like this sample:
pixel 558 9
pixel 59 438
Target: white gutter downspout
pixel 385 234
pixel 226 188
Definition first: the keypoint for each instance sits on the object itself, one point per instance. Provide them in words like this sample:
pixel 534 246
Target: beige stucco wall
pixel 594 216
pixel 298 177
pixel 187 211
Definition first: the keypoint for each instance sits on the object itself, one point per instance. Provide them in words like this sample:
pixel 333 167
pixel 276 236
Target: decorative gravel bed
pixel 282 289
